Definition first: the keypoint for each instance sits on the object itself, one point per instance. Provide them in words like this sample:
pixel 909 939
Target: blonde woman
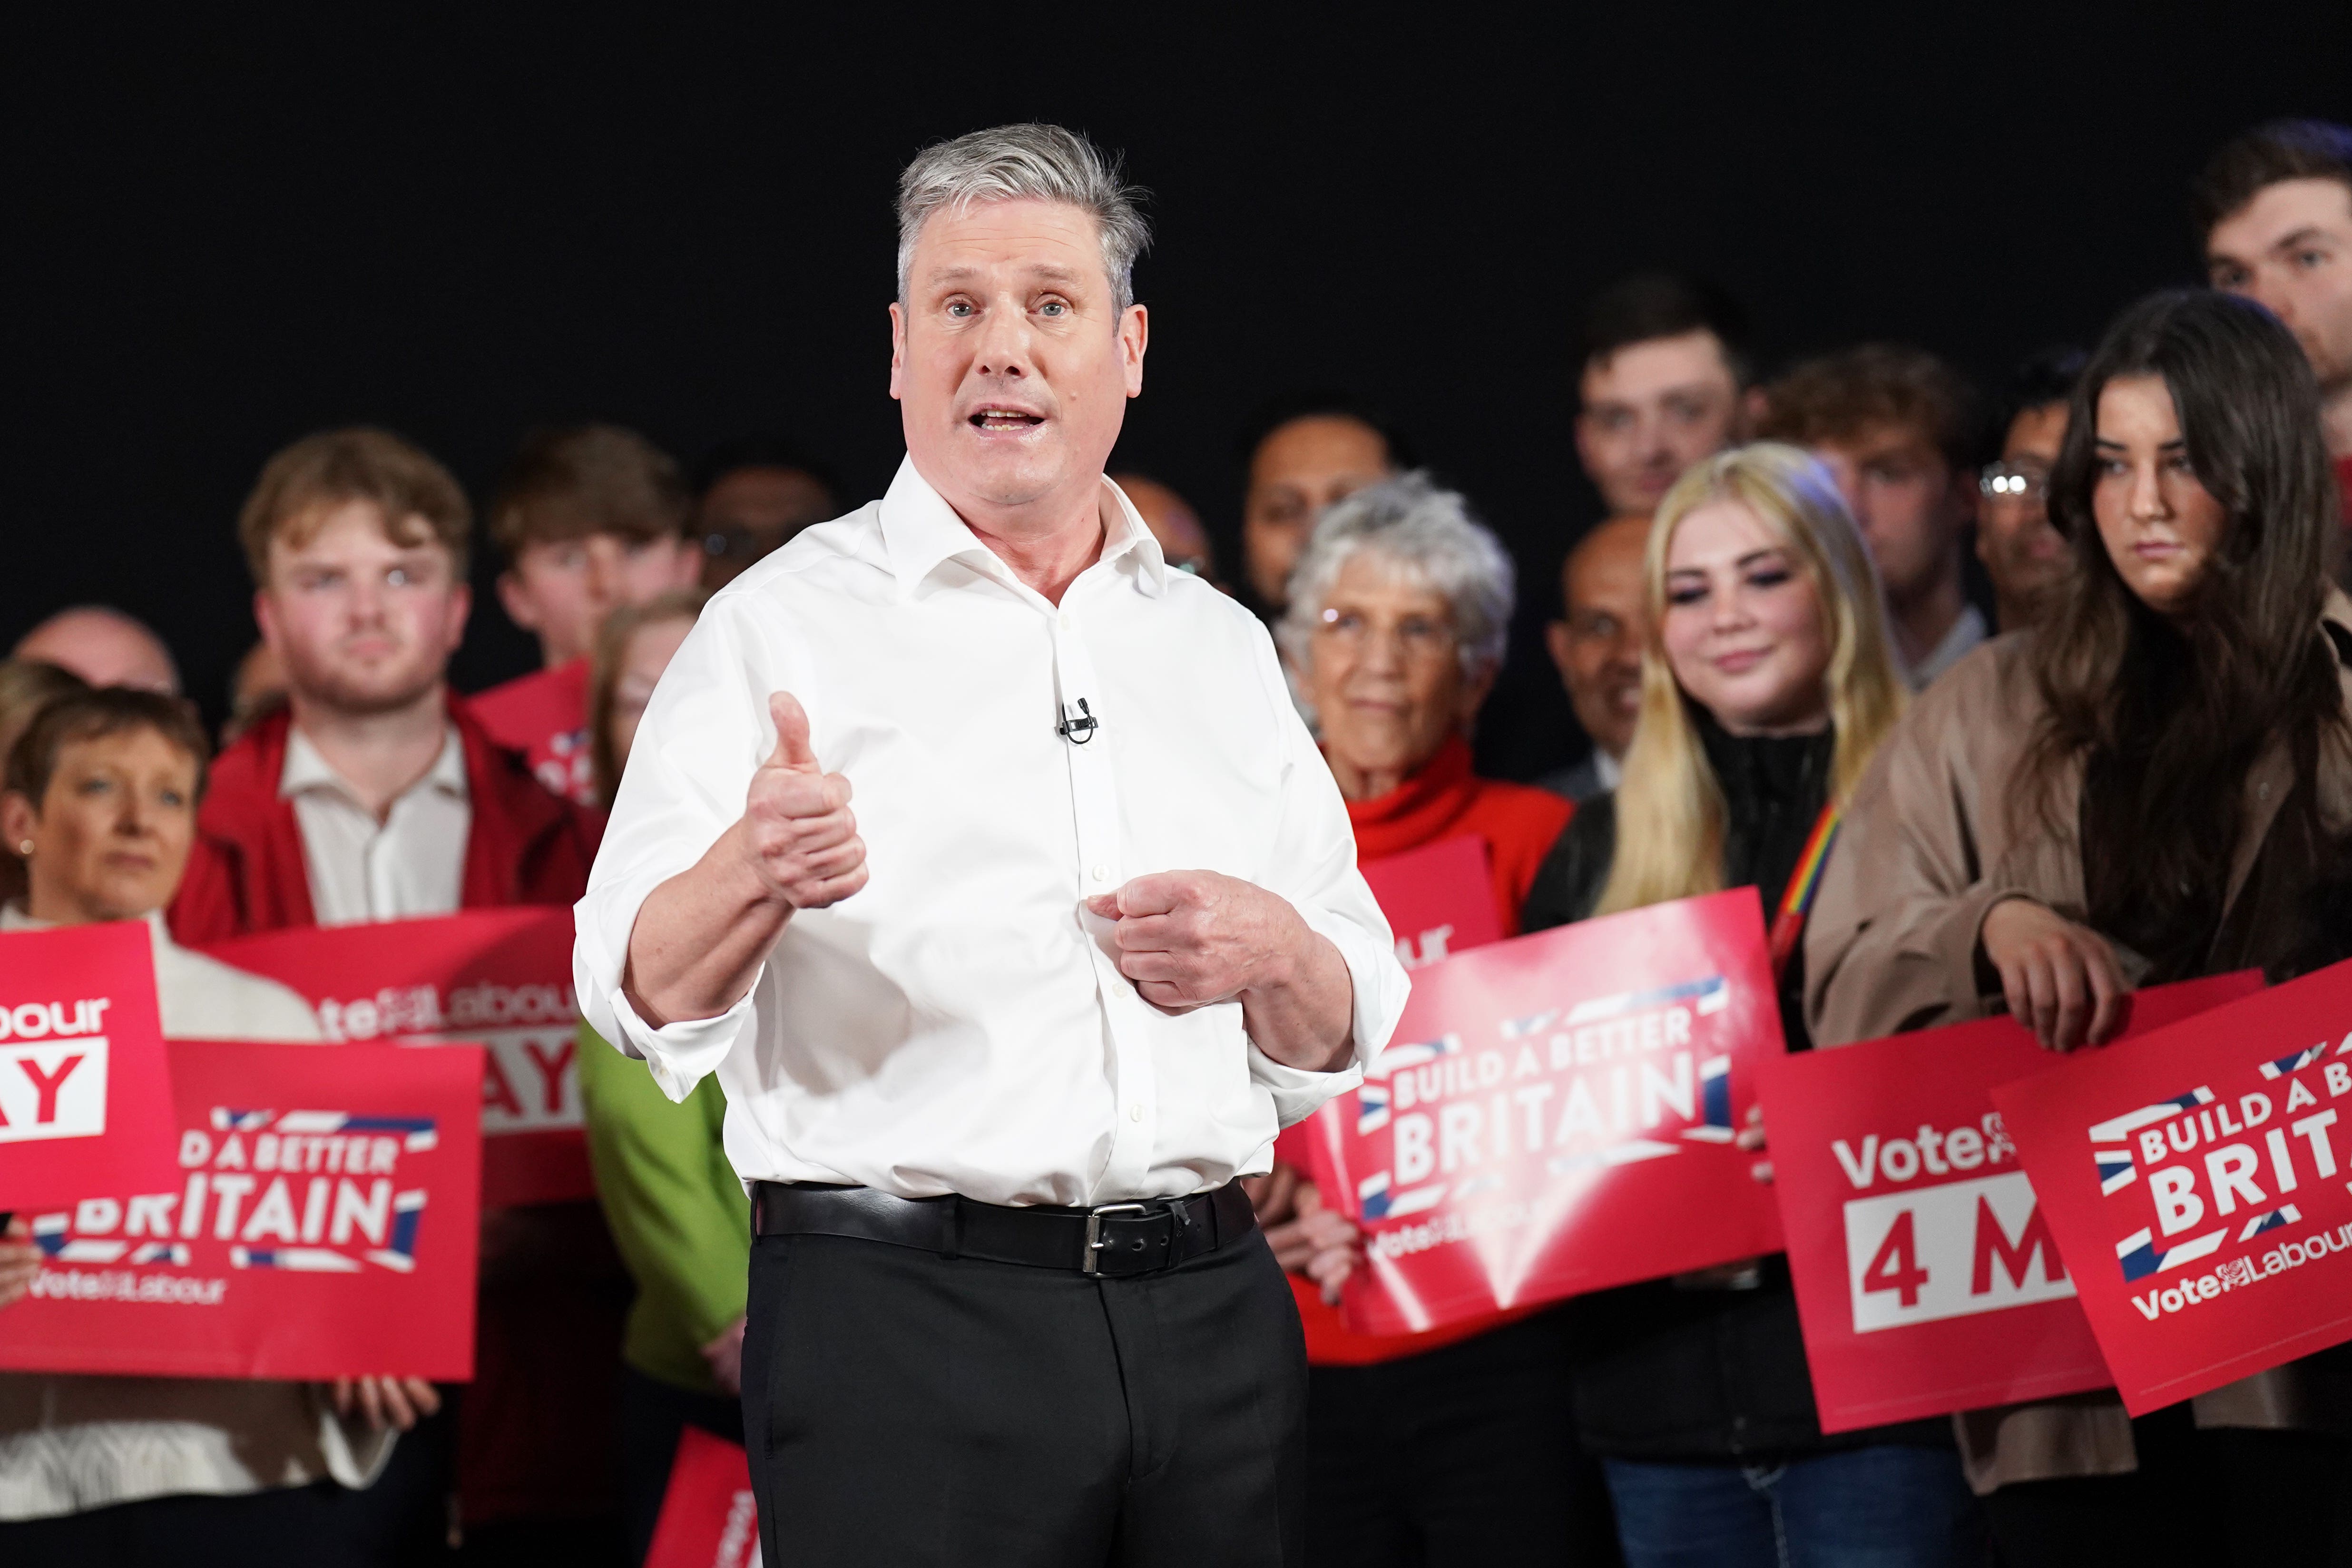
pixel 1766 682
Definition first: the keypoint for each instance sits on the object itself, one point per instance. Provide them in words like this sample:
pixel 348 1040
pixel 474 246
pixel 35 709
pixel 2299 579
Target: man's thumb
pixel 792 732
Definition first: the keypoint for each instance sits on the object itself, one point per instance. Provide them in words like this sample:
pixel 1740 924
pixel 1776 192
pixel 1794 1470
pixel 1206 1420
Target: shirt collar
pixel 920 530
pixel 306 770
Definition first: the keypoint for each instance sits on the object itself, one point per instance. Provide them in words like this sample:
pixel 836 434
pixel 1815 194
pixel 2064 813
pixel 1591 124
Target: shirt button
pixel 1135 1113
pixel 1066 620
pixel 1099 873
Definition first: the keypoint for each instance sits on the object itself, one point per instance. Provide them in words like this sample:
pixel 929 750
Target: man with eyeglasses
pixel 2022 553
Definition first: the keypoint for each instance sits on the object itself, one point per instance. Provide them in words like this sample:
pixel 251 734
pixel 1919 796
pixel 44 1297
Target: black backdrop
pixel 224 232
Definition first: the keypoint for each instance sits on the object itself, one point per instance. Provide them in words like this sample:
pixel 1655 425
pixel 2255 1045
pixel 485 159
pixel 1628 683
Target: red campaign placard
pixel 501 978
pixel 1557 1115
pixel 544 715
pixel 709 1518
pixel 1439 898
pixel 2196 1181
pixel 318 1222
pixel 1926 1278
pixel 85 1087
pixel 1439 902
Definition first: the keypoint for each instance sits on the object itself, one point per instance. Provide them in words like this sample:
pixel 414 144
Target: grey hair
pixel 1041 163
pixel 1429 534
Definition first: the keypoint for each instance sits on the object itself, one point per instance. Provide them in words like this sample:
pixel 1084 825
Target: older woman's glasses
pixel 2014 481
pixel 1417 637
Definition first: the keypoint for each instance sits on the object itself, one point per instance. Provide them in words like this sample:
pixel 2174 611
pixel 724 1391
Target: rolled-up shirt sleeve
pixel 1315 868
pixel 703 737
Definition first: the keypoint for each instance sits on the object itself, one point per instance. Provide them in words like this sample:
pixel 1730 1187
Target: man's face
pixel 362 623
pixel 2023 554
pixel 748 512
pixel 1907 498
pixel 563 589
pixel 2290 249
pixel 1651 410
pixel 1298 470
pixel 1012 362
pixel 1597 647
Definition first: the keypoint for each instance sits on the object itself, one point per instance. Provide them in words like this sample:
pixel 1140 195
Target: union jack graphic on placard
pixel 1710 993
pixel 2281 1066
pixel 1714 1102
pixel 2116 1129
pixel 2140 1256
pixel 1397 1059
pixel 2285 1213
pixel 2117 1171
pixel 416 1132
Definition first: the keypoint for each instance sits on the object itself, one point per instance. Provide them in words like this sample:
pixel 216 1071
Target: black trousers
pixel 654 1415
pixel 2220 1498
pixel 906 1410
pixel 1462 1456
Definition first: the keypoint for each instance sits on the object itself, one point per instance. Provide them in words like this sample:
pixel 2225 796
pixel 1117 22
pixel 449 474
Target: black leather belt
pixel 1114 1240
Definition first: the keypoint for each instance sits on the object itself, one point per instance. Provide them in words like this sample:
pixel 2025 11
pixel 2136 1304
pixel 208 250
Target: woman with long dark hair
pixel 2155 784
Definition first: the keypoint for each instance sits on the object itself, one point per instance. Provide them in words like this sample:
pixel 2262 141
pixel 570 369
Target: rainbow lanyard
pixel 1797 902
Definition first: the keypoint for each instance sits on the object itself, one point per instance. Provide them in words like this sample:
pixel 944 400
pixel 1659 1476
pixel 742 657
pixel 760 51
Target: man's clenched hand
pixel 1190 937
pixel 797 824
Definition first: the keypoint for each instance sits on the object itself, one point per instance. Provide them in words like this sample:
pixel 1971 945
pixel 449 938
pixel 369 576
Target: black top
pixel 1668 1372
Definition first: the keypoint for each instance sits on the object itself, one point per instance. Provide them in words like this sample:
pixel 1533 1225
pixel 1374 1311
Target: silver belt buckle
pixel 1094 1230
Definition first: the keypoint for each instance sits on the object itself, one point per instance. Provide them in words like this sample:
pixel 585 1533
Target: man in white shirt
pixel 992 1082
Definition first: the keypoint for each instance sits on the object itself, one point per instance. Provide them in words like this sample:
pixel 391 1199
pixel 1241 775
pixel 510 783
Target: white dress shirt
pixel 412 863
pixel 956 1025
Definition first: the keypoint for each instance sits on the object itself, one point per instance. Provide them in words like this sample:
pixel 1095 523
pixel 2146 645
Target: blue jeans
pixel 1887 1506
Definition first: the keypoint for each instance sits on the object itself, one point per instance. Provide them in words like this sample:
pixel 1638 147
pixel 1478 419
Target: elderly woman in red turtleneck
pixel 1454 1446
pixel 1399 610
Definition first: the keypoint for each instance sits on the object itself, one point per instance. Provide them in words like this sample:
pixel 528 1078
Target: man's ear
pixel 1556 643
pixel 1134 337
pixel 1754 405
pixel 686 568
pixel 897 351
pixel 1583 446
pixel 514 598
pixel 265 620
pixel 461 600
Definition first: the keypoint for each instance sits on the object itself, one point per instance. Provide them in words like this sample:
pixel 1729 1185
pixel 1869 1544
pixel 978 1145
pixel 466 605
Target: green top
pixel 678 1211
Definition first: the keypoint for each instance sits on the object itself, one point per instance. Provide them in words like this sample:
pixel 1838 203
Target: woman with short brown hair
pixel 101 803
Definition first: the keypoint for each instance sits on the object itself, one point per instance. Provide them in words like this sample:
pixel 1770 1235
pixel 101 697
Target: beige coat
pixel 1928 845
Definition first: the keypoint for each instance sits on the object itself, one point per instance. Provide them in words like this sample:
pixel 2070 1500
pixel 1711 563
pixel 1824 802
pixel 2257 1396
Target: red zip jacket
pixel 536 1431
pixel 246 871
